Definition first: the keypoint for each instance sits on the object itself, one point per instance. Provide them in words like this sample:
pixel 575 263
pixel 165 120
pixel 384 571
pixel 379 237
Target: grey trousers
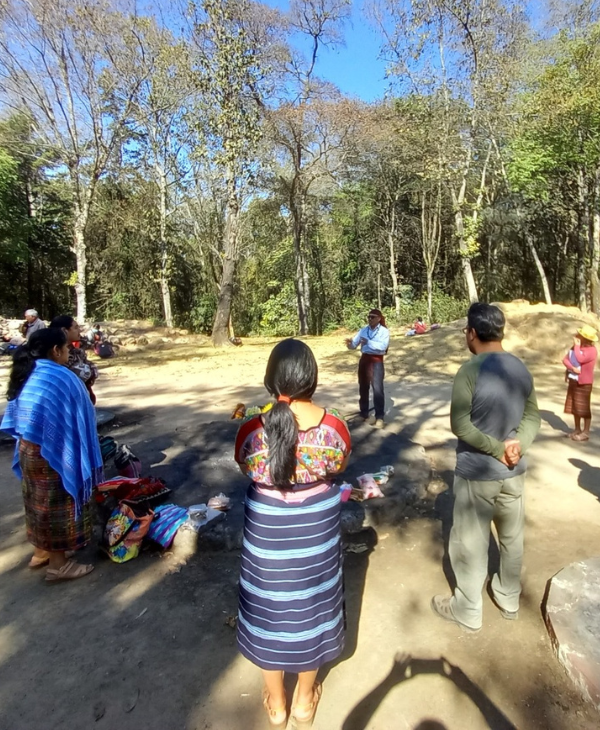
pixel 477 504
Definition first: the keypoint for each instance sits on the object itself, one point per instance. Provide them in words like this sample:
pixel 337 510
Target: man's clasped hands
pixel 512 452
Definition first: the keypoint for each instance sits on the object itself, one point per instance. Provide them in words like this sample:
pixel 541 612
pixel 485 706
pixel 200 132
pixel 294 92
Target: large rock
pixel 572 616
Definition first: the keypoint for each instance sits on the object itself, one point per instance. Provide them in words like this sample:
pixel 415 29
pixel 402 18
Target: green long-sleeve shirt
pixel 493 399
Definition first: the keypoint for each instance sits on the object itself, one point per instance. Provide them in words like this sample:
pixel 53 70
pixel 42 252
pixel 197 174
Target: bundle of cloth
pixel 136 513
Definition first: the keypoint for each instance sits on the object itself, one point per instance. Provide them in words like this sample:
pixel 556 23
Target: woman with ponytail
pixel 57 454
pixel 291 614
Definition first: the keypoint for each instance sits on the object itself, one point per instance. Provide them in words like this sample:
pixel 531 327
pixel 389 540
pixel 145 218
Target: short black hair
pixel 63 321
pixel 37 348
pixel 487 320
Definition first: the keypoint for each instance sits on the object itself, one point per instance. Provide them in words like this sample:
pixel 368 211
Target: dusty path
pixel 145 645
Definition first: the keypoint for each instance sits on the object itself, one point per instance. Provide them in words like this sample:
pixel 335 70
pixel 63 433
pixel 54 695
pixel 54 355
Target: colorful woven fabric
pixel 291 610
pixel 133 489
pixel 79 364
pixel 49 508
pixel 168 518
pixel 579 399
pixel 54 411
pixel 321 450
pixel 125 530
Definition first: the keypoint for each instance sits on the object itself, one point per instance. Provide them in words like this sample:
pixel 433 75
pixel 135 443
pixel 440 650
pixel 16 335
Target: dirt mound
pixel 539 333
pixel 543 331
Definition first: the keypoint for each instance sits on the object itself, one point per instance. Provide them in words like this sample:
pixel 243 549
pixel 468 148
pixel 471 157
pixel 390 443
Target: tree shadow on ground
pixel 151 632
pixel 404 668
pixel 137 643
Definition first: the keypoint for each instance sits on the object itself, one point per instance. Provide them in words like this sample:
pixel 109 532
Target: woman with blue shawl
pixel 57 455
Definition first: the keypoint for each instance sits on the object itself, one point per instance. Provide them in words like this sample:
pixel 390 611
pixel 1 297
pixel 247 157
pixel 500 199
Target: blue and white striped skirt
pixel 291 614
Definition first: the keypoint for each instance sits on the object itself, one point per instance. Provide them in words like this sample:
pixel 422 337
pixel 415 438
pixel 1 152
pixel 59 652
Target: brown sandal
pixel 69 571
pixel 305 723
pixel 272 711
pixel 36 562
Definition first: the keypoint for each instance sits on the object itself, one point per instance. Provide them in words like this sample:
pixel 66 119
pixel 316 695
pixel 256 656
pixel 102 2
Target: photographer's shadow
pixel 406 667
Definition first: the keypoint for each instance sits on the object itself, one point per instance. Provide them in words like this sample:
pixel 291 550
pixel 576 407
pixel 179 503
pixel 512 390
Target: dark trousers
pixel 370 373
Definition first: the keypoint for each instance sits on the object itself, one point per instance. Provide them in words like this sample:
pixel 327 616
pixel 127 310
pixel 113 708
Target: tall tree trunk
pixel 595 246
pixel 539 267
pixel 431 238
pixel 429 295
pixel 392 251
pixel 582 231
pixel 164 250
pixel 302 280
pixel 220 333
pixel 462 246
pixel 536 257
pixel 80 215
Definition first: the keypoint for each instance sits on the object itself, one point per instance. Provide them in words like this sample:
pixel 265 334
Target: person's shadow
pixel 358 550
pixel 406 667
pixel 554 421
pixel 589 476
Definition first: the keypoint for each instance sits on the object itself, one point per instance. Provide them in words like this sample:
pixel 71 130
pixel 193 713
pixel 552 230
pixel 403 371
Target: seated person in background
pixel 418 328
pixel 32 323
pixel 78 362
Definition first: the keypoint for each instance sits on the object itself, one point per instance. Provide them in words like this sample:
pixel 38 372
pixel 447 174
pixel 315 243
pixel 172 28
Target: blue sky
pixel 355 68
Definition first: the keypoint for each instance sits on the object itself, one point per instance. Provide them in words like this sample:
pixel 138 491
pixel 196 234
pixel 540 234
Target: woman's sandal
pixel 36 562
pixel 272 712
pixel 580 437
pixel 69 571
pixel 305 723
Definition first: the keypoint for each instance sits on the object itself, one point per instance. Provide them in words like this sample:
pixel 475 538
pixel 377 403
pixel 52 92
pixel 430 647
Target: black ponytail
pixel 39 346
pixel 281 430
pixel 292 372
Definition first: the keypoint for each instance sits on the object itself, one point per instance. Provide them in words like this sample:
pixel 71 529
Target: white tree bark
pixel 161 177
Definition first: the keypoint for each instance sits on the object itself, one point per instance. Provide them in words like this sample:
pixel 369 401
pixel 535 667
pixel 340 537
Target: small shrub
pixel 202 315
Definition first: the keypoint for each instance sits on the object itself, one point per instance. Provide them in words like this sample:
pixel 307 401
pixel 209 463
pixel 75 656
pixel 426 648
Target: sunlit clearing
pixel 123 595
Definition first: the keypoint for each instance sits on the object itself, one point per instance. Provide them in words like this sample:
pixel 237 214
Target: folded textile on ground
pixel 168 518
pixel 141 489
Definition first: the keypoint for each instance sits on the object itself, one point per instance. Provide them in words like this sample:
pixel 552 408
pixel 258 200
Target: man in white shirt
pixel 374 340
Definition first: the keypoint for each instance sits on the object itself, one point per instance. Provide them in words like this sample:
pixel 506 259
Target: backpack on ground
pixel 104 349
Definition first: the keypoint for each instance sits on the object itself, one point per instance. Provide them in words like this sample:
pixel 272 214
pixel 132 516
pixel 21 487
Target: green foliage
pixel 202 314
pixel 354 314
pixel 13 219
pixel 444 308
pixel 278 313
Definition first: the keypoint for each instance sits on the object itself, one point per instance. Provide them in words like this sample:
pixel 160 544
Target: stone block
pixel 572 617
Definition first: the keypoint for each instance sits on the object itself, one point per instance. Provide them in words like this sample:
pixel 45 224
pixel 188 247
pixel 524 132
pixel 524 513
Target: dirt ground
pixel 146 645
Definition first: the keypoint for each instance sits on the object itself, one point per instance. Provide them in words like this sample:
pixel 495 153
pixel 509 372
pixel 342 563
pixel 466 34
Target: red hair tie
pixel 284 399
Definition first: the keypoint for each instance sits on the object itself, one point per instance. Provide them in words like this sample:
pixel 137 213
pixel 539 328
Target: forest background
pixel 189 163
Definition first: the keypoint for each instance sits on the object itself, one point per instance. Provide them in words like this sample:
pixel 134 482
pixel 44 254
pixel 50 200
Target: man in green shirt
pixel 495 416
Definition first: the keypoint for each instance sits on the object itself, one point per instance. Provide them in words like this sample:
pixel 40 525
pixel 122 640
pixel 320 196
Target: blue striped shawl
pixel 54 411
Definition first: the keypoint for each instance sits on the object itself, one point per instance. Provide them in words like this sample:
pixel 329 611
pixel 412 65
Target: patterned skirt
pixel 579 398
pixel 291 613
pixel 49 508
